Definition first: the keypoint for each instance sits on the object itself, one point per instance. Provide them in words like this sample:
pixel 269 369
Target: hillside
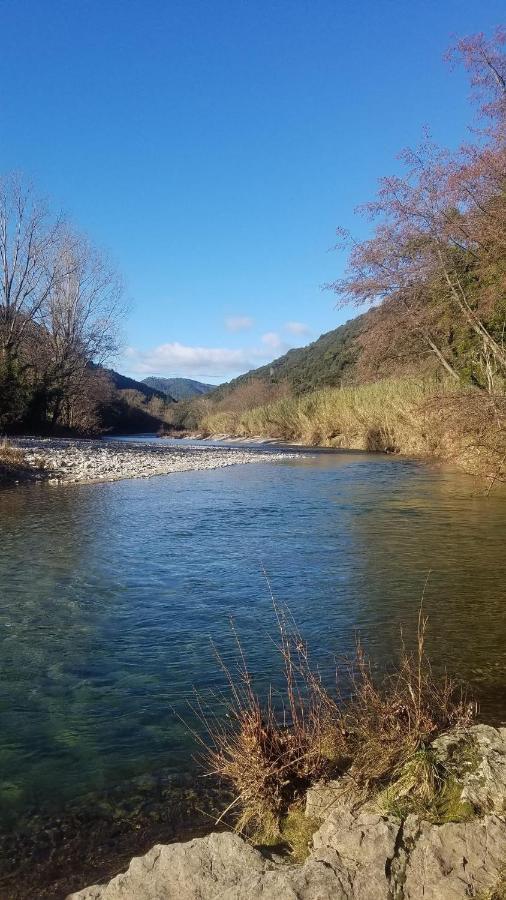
pixel 123 383
pixel 178 388
pixel 329 360
pixel 130 406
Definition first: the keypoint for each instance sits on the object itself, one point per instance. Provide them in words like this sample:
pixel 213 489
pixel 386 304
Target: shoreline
pixel 356 846
pixel 89 461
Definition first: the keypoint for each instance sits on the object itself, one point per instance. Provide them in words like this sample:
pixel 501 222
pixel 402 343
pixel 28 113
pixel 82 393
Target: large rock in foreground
pixel 358 854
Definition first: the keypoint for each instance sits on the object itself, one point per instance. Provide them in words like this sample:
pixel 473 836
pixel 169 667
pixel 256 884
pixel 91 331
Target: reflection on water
pixel 110 593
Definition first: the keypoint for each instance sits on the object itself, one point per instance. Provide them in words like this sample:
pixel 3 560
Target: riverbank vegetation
pixel 424 370
pixel 421 417
pixel 61 307
pixel 14 465
pixel 378 735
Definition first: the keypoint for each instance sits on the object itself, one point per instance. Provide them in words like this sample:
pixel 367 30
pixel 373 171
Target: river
pixel 111 595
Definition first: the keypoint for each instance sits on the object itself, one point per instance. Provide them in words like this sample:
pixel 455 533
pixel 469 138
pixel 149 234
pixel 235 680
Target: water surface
pixel 111 593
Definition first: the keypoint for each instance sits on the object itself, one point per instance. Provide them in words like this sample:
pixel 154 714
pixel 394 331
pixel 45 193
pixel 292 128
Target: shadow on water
pixel 110 593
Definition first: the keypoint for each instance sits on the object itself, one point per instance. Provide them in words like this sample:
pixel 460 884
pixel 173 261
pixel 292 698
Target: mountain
pixel 129 406
pixel 123 383
pixel 178 388
pixel 330 360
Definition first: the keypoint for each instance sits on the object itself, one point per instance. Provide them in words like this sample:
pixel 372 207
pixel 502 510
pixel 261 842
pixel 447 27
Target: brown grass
pixel 271 751
pixel 11 456
pixel 387 723
pixel 417 417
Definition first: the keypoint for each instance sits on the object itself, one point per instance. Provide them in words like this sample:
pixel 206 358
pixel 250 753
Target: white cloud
pixel 272 339
pixel 180 359
pixel 298 328
pixel 239 323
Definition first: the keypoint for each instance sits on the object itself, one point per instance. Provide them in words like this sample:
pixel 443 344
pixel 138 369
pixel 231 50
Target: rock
pixel 97 460
pixel 369 857
pixel 326 796
pixel 483 771
pixel 453 861
pixel 198 870
pixel 363 844
pixel 358 853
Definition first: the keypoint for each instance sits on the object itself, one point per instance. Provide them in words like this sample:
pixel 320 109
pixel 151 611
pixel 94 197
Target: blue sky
pixel 213 146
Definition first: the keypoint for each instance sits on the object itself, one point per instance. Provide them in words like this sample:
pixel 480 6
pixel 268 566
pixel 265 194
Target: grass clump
pixel 428 789
pixel 10 455
pixel 498 892
pixel 271 751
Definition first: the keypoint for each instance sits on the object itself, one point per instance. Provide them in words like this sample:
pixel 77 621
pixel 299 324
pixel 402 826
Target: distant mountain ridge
pixel 178 388
pixel 123 383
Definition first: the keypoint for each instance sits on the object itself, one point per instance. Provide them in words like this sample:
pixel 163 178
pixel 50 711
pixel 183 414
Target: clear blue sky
pixel 213 146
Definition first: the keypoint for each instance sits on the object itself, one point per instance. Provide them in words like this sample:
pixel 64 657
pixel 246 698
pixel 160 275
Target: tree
pixel 81 317
pixel 29 240
pixel 439 246
pixel 61 302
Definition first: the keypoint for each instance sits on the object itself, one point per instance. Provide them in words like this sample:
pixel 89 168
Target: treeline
pixel 61 303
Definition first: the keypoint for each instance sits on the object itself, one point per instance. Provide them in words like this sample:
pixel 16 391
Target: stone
pixel 358 853
pixel 340 794
pixel 456 860
pixel 198 870
pixel 484 781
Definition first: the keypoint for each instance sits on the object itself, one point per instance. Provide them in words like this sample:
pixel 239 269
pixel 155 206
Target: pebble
pixel 79 460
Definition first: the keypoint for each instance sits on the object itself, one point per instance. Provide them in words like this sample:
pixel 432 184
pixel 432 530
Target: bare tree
pixel 81 315
pixel 440 239
pixel 61 302
pixel 30 239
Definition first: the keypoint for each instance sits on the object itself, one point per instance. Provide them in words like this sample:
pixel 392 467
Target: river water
pixel 110 596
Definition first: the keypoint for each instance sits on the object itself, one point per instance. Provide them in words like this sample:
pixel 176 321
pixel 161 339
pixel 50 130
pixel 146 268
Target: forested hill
pixel 330 360
pixel 123 383
pixel 178 388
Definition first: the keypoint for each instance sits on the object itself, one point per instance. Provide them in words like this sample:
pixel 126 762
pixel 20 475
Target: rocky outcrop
pixel 358 853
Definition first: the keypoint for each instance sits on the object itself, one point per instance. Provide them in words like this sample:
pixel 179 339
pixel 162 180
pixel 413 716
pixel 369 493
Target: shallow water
pixel 110 595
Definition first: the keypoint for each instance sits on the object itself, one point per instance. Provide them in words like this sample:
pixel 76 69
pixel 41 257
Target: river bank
pixel 83 461
pixel 358 849
pixel 424 418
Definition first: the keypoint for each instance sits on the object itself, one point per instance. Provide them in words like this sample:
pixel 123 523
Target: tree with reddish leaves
pixel 437 256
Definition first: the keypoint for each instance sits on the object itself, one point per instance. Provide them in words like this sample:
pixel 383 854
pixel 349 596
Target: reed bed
pixel 426 418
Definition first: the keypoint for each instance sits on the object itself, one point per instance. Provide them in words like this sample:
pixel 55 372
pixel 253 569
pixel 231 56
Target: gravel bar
pixel 79 461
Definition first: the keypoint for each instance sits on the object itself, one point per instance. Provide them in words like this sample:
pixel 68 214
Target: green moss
pixel 297 831
pixel 465 757
pixel 428 789
pixel 449 806
pixel 294 833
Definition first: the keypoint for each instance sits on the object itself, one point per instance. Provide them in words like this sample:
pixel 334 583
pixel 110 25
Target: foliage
pixel 270 751
pixel 179 388
pixel 327 361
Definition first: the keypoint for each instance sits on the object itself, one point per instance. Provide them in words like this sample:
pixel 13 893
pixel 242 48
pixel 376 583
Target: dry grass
pixel 386 724
pixel 380 416
pixel 11 456
pixel 498 892
pixel 271 751
pixel 426 418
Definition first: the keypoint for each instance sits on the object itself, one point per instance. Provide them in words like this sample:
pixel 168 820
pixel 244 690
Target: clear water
pixel 110 594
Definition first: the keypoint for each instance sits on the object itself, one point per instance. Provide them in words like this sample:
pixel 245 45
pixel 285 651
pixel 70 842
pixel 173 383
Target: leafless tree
pixel 81 315
pixel 30 240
